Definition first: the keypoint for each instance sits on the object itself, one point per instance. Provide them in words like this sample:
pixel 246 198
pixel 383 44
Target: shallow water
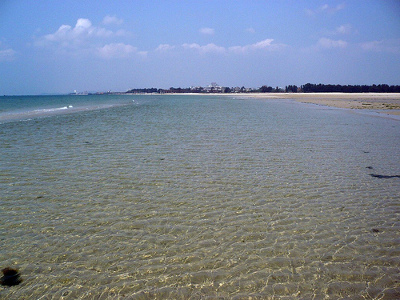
pixel 192 197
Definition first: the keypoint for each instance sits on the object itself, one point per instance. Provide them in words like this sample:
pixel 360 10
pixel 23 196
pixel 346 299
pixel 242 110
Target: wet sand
pixel 388 103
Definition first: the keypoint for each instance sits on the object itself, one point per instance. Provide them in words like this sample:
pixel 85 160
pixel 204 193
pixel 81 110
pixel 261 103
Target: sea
pixel 197 197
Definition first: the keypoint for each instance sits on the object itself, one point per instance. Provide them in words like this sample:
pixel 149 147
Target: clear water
pixel 200 197
pixel 14 108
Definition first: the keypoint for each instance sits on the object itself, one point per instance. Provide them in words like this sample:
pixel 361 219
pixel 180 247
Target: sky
pixel 49 46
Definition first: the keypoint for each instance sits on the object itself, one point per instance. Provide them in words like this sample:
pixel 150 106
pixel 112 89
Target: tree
pixel 265 89
pixel 227 90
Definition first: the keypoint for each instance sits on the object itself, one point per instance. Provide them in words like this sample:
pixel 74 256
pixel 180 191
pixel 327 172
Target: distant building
pixel 214 88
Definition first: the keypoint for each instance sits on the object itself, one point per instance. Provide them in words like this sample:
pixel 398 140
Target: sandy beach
pixel 388 103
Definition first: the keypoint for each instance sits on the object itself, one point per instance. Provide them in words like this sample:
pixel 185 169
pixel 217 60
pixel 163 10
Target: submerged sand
pixel 381 102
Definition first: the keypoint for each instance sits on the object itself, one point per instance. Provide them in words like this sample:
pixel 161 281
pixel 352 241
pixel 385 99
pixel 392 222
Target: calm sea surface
pixel 197 197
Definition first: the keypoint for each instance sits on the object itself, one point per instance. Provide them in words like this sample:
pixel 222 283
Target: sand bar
pixel 388 103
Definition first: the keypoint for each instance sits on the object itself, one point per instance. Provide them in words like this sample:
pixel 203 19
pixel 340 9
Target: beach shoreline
pixel 388 103
pixel 385 103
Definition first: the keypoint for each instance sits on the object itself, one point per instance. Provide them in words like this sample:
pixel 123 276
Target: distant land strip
pixel 306 88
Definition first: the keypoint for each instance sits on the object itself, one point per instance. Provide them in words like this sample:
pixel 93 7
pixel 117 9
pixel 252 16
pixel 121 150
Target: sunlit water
pixel 201 197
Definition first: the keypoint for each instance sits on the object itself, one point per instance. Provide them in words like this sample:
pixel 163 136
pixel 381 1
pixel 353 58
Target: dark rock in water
pixel 10 277
pixel 384 176
pixel 327 258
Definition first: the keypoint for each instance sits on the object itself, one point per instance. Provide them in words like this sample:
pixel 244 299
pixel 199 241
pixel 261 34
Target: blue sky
pixel 51 46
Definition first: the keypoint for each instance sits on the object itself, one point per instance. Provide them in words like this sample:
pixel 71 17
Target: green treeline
pixel 306 88
pixel 331 88
pixel 144 91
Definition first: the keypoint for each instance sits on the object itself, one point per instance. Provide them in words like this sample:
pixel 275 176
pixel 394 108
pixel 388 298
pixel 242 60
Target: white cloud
pixel 61 34
pixel 207 31
pixel 209 48
pixel 389 46
pixel 68 36
pixel 262 45
pixel 7 54
pixel 87 39
pixel 338 7
pixel 164 47
pixel 373 46
pixel 112 20
pixel 83 24
pixel 344 29
pixel 328 43
pixel 118 50
pixel 265 45
pixel 325 8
